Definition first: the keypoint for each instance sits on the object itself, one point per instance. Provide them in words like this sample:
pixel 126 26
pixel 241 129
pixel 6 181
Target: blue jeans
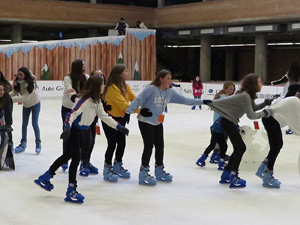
pixel 35 119
pixel 197 97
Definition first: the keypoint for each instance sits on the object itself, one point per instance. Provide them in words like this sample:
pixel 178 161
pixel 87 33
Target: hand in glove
pixel 65 134
pixel 105 106
pixel 125 119
pixel 206 101
pixel 8 128
pixel 73 97
pixel 122 129
pixel 268 112
pixel 145 112
pixel 269 101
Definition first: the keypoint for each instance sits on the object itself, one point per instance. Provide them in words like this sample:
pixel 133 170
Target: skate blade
pixel 42 186
pixel 68 199
pixel 269 186
pixel 237 187
pixel 146 184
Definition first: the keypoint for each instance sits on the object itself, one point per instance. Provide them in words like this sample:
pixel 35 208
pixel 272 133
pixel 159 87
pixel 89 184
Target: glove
pixel 145 112
pixel 8 128
pixel 123 129
pixel 105 106
pixel 73 97
pixel 268 112
pixel 206 101
pixel 199 91
pixel 125 119
pixel 65 134
pixel 269 101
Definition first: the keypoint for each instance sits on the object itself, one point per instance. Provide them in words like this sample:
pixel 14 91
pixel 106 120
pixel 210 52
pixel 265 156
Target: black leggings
pixel 238 144
pixel 275 140
pixel 221 140
pixel 78 139
pixel 152 136
pixel 114 139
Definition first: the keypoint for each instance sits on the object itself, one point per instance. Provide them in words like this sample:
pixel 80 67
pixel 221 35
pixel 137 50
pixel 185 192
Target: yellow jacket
pixel 117 101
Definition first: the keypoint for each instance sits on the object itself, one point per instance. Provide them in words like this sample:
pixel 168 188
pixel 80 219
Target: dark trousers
pixel 217 138
pixel 78 139
pixel 115 141
pixel 275 140
pixel 152 136
pixel 64 112
pixel 238 144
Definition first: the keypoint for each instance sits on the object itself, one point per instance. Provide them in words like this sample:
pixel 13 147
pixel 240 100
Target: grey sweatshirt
pixel 235 106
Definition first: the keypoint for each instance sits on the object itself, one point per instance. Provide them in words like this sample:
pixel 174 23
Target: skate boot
pixel 72 195
pixel 145 178
pixel 161 175
pixel 84 170
pixel 44 181
pixel 215 156
pixel 269 181
pixel 288 131
pixel 108 173
pixel 227 157
pixel 225 177
pixel 21 147
pixel 235 181
pixel 64 166
pixel 38 148
pixel 120 171
pixel 201 160
pixel 221 164
pixel 93 169
pixel 261 169
pixel 194 107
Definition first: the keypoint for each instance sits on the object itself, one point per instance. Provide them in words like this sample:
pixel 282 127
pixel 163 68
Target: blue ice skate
pixel 235 181
pixel 261 169
pixel 215 156
pixel 162 175
pixel 201 160
pixel 64 166
pixel 120 171
pixel 93 169
pixel 288 131
pixel 269 181
pixel 221 164
pixel 44 181
pixel 72 195
pixel 21 147
pixel 225 177
pixel 84 171
pixel 108 174
pixel 38 148
pixel 145 178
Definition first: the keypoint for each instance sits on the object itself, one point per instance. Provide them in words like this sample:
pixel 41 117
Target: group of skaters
pixel 88 98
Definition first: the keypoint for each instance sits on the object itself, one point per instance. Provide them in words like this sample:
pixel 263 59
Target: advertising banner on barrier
pixel 55 89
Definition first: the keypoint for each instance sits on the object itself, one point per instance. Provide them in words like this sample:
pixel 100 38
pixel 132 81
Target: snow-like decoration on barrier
pixel 140 34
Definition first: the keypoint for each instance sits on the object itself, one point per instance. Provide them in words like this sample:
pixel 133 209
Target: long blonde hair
pixel 226 85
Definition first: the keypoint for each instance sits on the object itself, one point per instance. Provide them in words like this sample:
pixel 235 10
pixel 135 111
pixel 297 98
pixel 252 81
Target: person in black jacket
pixel 121 26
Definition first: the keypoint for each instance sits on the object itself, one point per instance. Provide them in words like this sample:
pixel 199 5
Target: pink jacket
pixel 197 89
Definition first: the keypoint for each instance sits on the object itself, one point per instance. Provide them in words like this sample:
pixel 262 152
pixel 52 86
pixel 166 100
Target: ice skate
pixel 215 156
pixel 21 147
pixel 269 181
pixel 194 107
pixel 221 164
pixel 120 171
pixel 235 181
pixel 225 177
pixel 162 175
pixel 108 174
pixel 4 148
pixel 93 169
pixel 44 181
pixel 84 170
pixel 72 195
pixel 145 178
pixel 64 166
pixel 261 169
pixel 38 148
pixel 288 131
pixel 201 160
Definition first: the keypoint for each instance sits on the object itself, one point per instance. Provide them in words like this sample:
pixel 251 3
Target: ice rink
pixel 194 197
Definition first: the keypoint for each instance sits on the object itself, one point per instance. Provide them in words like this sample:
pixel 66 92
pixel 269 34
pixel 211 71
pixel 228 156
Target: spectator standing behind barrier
pixel 121 26
pixel 197 90
pixel 141 25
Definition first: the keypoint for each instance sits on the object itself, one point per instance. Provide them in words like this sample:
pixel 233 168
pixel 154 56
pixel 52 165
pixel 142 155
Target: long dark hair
pixel 161 74
pixel 199 82
pixel 28 79
pixel 77 76
pixel 92 88
pixel 4 101
pixel 249 84
pixel 294 72
pixel 226 85
pixel 115 78
pixel 5 82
